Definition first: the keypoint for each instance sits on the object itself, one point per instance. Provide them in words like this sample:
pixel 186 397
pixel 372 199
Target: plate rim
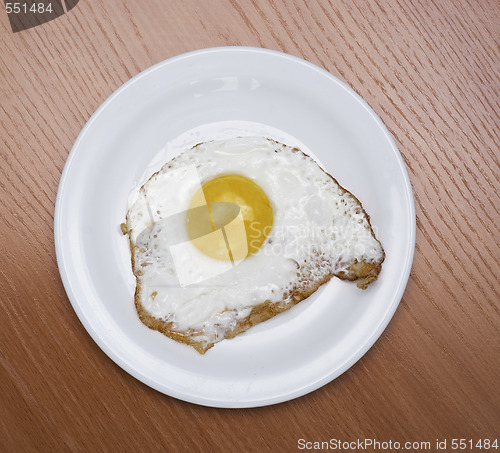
pixel 113 355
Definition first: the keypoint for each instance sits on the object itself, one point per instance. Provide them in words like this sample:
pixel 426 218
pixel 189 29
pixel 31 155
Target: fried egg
pixel 230 233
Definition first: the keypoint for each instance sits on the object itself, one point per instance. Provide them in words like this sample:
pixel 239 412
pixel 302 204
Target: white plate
pixel 209 94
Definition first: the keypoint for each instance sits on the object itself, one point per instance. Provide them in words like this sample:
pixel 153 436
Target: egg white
pixel 318 229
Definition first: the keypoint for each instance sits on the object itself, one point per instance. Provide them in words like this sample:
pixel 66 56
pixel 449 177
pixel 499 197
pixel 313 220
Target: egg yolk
pixel 213 222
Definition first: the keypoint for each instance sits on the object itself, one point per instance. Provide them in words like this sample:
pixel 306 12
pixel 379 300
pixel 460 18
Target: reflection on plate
pixel 213 94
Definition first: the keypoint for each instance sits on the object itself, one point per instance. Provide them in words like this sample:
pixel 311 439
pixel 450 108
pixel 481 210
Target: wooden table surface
pixel 429 69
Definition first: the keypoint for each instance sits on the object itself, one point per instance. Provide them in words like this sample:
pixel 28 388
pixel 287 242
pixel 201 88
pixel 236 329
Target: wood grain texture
pixel 429 69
